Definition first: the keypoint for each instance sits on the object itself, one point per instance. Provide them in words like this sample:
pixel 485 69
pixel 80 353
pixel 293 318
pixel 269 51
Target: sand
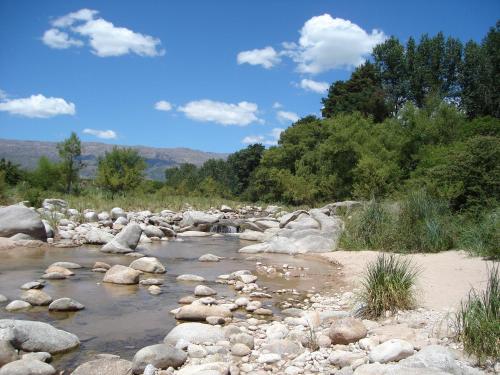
pixel 445 277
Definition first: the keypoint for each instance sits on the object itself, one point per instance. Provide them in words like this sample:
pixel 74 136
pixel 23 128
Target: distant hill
pixel 27 153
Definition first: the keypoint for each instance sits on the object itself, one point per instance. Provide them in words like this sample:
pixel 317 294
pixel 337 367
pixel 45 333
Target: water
pixel 122 319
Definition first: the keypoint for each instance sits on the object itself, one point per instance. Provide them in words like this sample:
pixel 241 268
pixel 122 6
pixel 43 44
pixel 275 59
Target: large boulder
pixel 114 366
pixel 119 274
pixel 195 333
pixel 97 236
pixel 161 356
pixel 195 218
pixel 36 297
pixel 65 304
pixel 27 367
pixel 32 336
pixel 20 219
pixel 199 312
pixel 148 264
pixel 126 241
pixel 347 330
pixel 391 351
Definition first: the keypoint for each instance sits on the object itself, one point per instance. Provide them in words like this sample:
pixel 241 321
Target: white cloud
pixel 267 57
pixel 271 139
pixel 241 114
pixel 103 36
pixel 3 94
pixel 38 106
pixel 329 43
pixel 284 116
pixel 315 86
pixel 277 105
pixel 55 38
pixel 103 134
pixel 163 105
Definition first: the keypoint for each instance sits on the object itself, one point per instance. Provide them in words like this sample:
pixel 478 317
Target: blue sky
pixel 209 75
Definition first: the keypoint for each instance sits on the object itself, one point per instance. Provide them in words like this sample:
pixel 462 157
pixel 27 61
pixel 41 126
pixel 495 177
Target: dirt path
pixel 445 277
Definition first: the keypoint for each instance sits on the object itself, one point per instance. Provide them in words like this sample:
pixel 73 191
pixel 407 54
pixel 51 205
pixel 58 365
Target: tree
pixel 243 163
pixel 361 93
pixel 69 151
pixel 120 170
pixel 47 175
pixel 11 172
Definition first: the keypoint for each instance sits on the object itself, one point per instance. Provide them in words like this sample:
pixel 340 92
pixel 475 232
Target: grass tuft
pixel 478 320
pixel 388 285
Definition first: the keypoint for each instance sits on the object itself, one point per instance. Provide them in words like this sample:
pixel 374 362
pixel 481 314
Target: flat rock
pixel 36 297
pixel 58 269
pixel 190 277
pixel 148 264
pixel 148 282
pixel 54 276
pixel 65 304
pixel 161 356
pixel 32 285
pixel 212 368
pixel 194 233
pixel 119 274
pixel 111 366
pixel 27 367
pixel 391 351
pixel 203 290
pixel 68 265
pixel 199 312
pixel 210 258
pixel 195 333
pixel 17 305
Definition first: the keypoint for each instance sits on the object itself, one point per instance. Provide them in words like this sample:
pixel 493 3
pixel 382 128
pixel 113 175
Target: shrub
pixel 481 236
pixel 478 320
pixel 33 196
pixel 388 284
pixel 369 227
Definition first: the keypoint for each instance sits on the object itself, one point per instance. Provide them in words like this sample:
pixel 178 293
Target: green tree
pixel 69 151
pixel 12 172
pixel 243 163
pixel 46 176
pixel 120 170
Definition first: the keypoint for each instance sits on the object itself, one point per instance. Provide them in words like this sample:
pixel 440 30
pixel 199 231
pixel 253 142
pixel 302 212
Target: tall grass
pixel 388 285
pixel 478 320
pixel 481 236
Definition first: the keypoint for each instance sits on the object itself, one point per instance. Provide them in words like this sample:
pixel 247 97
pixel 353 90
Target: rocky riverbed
pixel 109 305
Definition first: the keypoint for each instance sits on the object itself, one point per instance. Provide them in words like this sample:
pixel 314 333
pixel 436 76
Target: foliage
pixel 3 187
pixel 478 319
pixel 120 170
pixel 12 172
pixel 481 235
pixel 47 176
pixel 388 285
pixel 69 151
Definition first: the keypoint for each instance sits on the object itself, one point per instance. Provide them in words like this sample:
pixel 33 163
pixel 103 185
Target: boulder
pixel 111 366
pixel 148 264
pixel 36 297
pixel 212 368
pixel 32 285
pixel 347 330
pixel 61 270
pixel 17 305
pixel 119 274
pixel 161 356
pixel 117 212
pixel 68 265
pixel 27 367
pixel 200 312
pixel 152 231
pixel 19 219
pixel 32 336
pixel 203 291
pixel 190 277
pixel 195 333
pixel 65 304
pixel 90 217
pixel 126 241
pixel 97 236
pixel 435 356
pixel 210 258
pixel 7 352
pixel 196 218
pixel 240 350
pixel 391 351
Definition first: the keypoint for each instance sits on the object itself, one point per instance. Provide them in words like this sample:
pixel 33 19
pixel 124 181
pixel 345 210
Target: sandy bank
pixel 445 277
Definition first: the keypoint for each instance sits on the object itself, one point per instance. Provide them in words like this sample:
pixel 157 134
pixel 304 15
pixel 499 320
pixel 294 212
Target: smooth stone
pixel 54 276
pixel 200 312
pixel 215 320
pixel 195 333
pixel 242 338
pixel 212 368
pixel 148 264
pixel 203 290
pixel 283 347
pixel 17 305
pixel 190 277
pixel 7 352
pixel 210 258
pixel 247 279
pixel 343 358
pixel 32 285
pixel 160 356
pixel 186 300
pixel 19 219
pixel 119 274
pixel 3 299
pixel 151 282
pixel 65 304
pixel 68 265
pixel 27 367
pixel 36 297
pixel 154 290
pixel 347 330
pixel 59 269
pixel 391 351
pixel 269 358
pixel 101 265
pixel 40 356
pixel 111 366
pixel 240 350
pixel 126 241
pixel 196 351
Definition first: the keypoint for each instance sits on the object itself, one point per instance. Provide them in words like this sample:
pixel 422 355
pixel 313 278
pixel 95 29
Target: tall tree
pixel 243 163
pixel 69 151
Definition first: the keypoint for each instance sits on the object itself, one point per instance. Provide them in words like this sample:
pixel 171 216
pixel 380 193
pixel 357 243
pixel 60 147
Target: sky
pixel 208 75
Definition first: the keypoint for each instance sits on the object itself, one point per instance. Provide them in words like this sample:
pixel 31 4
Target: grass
pixel 481 236
pixel 388 285
pixel 478 320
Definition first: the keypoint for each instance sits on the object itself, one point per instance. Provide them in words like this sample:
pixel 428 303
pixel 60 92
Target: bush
pixel 478 320
pixel 33 196
pixel 388 284
pixel 481 236
pixel 369 227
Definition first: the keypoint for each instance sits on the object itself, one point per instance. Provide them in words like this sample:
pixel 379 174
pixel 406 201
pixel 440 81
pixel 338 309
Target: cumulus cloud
pixel 315 86
pixel 284 116
pixel 104 38
pixel 328 43
pixel 163 105
pixel 38 106
pixel 55 38
pixel 241 114
pixel 267 57
pixel 103 134
pixel 271 139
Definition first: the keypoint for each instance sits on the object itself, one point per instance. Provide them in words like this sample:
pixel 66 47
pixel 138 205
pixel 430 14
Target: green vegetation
pixel 69 152
pixel 388 285
pixel 478 320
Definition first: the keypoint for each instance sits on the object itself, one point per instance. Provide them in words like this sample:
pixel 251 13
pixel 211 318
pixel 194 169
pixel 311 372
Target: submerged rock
pixel 190 277
pixel 119 274
pixel 210 258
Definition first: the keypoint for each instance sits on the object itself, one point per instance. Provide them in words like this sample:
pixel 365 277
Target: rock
pixel 111 366
pixel 161 356
pixel 103 216
pixel 212 368
pixel 19 219
pixel 117 212
pixel 195 218
pixel 122 275
pixel 68 265
pixel 203 290
pixel 190 277
pixel 36 297
pixel 242 338
pixel 276 331
pixel 193 233
pixel 90 217
pixel 152 231
pixel 17 305
pixel 196 351
pixel 34 336
pixel 120 222
pixel 103 265
pixel 48 229
pixel 54 276
pixel 126 241
pixel 247 279
pixel 214 320
pixel 58 269
pixel 3 299
pixel 65 304
pixel 27 367
pixel 283 347
pixel 262 311
pixel 391 351
pixel 40 356
pixel 435 356
pixel 269 358
pixel 199 312
pixel 7 352
pixel 251 235
pixel 225 208
pixel 240 350
pixel 148 282
pixel 54 204
pixel 32 285
pixel 347 330
pixel 154 290
pixel 210 258
pixel 343 358
pixel 195 333
pixel 148 264
pixel 97 236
